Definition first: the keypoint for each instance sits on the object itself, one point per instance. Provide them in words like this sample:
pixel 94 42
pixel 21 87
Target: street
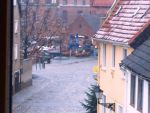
pixel 59 88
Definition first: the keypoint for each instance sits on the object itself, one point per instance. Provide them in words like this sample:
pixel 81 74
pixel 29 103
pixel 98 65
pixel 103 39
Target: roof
pixel 94 24
pixel 102 2
pixel 80 26
pixel 126 21
pixel 139 60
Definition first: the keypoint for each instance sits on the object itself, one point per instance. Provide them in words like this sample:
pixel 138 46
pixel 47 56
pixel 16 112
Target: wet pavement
pixel 59 88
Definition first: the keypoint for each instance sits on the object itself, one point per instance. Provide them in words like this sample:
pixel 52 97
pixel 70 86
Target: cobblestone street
pixel 59 88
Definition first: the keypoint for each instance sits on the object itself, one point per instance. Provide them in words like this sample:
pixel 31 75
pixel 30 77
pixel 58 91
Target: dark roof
pixel 125 22
pixel 139 60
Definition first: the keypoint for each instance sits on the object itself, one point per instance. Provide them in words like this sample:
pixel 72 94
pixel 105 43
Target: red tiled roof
pixel 124 26
pixel 102 2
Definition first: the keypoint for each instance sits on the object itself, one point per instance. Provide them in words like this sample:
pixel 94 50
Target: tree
pixel 39 24
pixel 90 103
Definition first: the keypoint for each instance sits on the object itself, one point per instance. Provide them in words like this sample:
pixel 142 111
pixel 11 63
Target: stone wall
pixel 26 76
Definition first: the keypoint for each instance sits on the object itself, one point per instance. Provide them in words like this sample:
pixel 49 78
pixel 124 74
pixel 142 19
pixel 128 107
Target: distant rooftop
pixel 102 2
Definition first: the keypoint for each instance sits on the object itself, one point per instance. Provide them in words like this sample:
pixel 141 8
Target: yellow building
pixel 121 27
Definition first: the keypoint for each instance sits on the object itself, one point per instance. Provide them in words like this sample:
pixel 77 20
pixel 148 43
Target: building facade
pixel 136 69
pixel 16 74
pixel 21 76
pixel 113 39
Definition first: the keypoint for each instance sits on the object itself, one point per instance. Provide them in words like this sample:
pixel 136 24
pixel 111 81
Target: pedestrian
pixel 43 63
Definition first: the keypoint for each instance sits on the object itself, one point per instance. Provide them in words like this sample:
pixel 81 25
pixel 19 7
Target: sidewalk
pixel 38 83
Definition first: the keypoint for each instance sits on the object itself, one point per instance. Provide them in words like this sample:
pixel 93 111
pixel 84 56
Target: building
pixel 78 16
pixel 22 69
pixel 136 68
pixel 101 7
pixel 42 14
pixel 16 74
pixel 124 23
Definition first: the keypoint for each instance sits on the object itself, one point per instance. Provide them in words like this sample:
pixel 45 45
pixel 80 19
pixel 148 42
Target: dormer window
pixel 136 11
pixel 119 9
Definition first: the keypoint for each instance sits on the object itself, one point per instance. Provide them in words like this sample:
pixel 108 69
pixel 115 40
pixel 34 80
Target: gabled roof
pixel 94 24
pixel 80 26
pixel 139 60
pixel 102 2
pixel 127 19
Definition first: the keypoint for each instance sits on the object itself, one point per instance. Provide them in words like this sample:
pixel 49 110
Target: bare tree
pixel 39 23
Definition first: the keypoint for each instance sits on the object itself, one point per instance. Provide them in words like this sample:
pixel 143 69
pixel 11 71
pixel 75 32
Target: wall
pixel 26 77
pixel 131 109
pixel 111 79
pixel 16 41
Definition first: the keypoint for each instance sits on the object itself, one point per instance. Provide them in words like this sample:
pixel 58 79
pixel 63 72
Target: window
pixel 104 54
pixel 75 2
pixel 16 51
pixel 113 55
pixel 120 109
pixel 15 2
pixel 132 90
pixel 48 1
pixel 83 2
pixel 140 95
pixel 124 53
pixel 16 26
pixel 65 2
pixel 149 98
pixel 103 101
pixel 54 1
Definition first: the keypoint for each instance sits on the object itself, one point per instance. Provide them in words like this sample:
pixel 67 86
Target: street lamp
pixel 99 94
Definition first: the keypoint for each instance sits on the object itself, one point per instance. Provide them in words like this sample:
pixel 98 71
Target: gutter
pixel 113 42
